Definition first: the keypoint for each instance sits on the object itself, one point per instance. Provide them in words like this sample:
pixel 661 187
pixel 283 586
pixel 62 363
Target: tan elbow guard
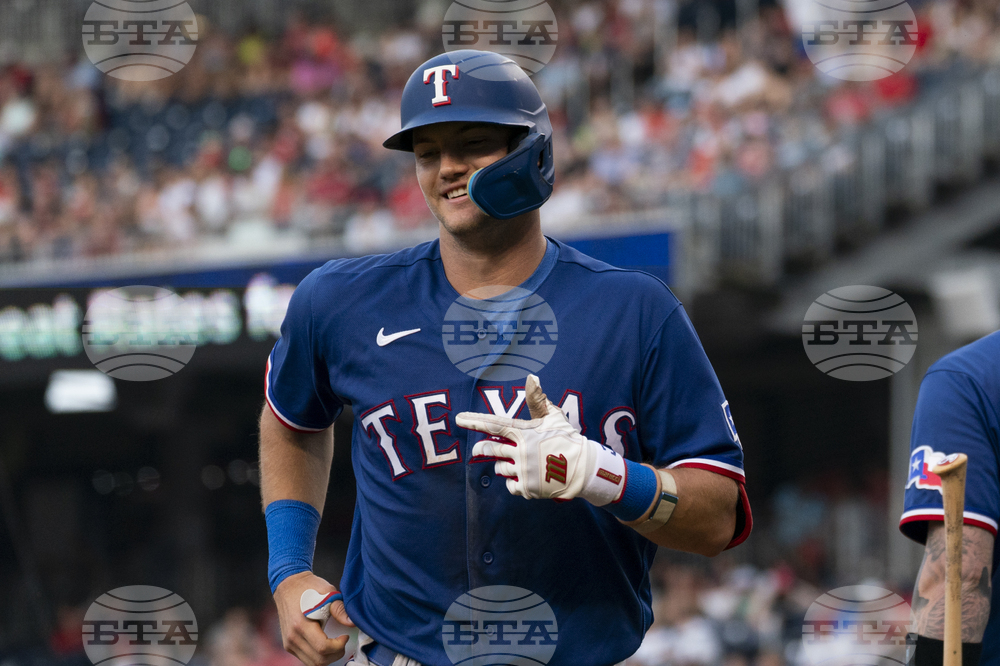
pixel 663 505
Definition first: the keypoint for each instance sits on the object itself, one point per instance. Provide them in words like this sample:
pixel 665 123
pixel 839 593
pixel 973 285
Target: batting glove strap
pixel 291 539
pixel 606 480
pixel 664 503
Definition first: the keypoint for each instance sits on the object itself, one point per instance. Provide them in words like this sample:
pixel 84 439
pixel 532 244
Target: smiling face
pixel 447 154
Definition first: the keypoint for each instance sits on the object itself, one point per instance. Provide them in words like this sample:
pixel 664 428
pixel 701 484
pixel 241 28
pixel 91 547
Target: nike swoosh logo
pixel 384 339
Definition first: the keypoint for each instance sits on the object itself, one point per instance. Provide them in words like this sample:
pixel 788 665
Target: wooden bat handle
pixel 952 472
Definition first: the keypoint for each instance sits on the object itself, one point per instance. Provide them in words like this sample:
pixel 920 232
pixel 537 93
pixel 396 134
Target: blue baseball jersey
pixel 958 411
pixel 432 523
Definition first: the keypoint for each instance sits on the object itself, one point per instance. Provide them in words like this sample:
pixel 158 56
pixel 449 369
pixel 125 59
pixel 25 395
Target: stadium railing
pixel 844 192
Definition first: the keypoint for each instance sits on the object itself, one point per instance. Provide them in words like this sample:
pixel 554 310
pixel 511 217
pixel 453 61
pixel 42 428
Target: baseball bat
pixel 951 469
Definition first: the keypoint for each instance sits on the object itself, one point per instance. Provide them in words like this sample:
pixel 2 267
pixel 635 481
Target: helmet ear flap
pixel 517 183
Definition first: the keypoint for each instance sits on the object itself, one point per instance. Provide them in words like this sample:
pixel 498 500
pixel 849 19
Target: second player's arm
pixel 705 517
pixel 929 592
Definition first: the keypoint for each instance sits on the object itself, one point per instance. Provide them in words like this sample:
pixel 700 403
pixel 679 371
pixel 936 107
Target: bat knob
pixel 316 606
pixel 949 464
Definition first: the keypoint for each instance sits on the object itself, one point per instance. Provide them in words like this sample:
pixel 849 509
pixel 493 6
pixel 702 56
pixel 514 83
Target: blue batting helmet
pixel 484 87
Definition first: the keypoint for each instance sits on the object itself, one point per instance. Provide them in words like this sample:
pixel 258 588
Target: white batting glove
pixel 547 457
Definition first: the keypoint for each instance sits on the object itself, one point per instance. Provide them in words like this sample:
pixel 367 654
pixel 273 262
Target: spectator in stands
pixel 10 195
pixel 287 131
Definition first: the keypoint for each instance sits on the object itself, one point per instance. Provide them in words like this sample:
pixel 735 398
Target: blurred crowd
pixel 714 616
pixel 263 138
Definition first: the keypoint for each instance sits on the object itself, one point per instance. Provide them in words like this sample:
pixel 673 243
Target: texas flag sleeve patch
pixel 922 459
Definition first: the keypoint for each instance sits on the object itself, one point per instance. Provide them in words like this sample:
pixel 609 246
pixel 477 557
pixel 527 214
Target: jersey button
pixel 488 557
pixel 485 481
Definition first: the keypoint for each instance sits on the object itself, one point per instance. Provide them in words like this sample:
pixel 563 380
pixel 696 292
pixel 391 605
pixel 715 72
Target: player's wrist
pixel 638 490
pixel 292 527
pixel 652 494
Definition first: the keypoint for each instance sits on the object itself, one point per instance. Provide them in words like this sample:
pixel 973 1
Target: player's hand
pixel 302 637
pixel 545 457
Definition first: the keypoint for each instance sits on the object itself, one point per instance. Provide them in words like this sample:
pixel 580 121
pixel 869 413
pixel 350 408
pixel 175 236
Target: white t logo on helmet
pixel 440 82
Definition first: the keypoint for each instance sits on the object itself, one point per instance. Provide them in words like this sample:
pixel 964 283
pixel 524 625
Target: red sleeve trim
pixel 288 423
pixel 732 471
pixel 742 515
pixel 968 518
pixel 285 422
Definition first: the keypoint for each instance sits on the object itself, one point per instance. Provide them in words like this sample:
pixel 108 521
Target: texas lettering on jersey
pixel 428 418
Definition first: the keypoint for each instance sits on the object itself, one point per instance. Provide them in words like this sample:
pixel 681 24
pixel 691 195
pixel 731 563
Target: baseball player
pixel 470 476
pixel 958 411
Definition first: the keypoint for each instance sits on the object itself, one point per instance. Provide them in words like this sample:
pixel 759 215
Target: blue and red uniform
pixel 958 411
pixel 430 524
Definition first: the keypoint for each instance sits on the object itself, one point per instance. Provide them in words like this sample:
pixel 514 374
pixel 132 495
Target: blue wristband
pixel 291 539
pixel 640 491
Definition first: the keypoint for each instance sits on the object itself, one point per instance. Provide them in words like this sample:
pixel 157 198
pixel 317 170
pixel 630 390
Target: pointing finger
pixel 488 423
